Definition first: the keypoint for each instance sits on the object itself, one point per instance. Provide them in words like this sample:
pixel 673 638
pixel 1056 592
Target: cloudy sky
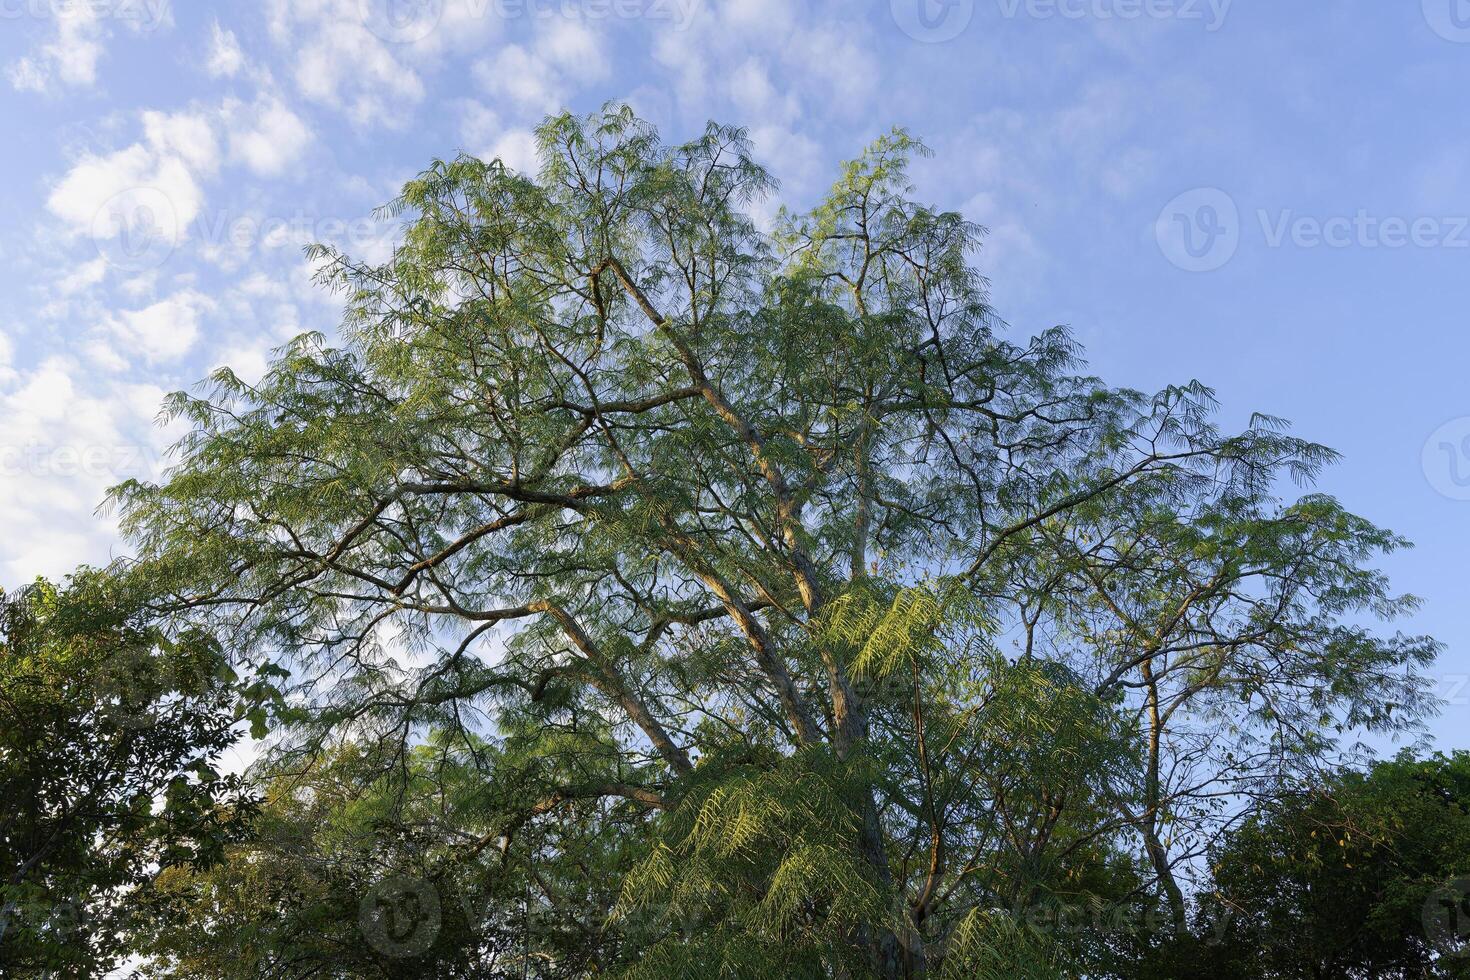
pixel 1272 197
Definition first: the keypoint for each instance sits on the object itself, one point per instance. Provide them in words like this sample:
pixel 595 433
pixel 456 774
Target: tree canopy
pixel 741 597
pixel 1365 875
pixel 111 731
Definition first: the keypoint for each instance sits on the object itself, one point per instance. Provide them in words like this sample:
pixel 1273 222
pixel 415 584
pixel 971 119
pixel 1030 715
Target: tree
pixel 108 748
pixel 1367 875
pixel 861 625
pixel 346 872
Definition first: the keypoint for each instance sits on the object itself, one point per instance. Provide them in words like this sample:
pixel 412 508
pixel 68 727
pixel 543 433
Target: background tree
pixel 864 621
pixel 110 735
pixel 349 869
pixel 1368 875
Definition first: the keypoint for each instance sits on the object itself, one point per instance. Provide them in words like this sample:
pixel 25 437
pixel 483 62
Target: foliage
pixel 346 872
pixel 112 731
pixel 1366 876
pixel 765 581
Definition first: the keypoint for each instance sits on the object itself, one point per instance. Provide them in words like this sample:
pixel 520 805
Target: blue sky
pixel 1272 197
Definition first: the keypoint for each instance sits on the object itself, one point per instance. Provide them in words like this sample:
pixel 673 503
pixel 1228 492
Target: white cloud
pixel 159 172
pixel 564 58
pixel 78 44
pixel 685 59
pixel 139 203
pixel 142 285
pixel 268 137
pixel 48 393
pixel 462 25
pixel 515 148
pixel 54 457
pixel 165 331
pixel 522 77
pixel 478 123
pixel 757 97
pixel 69 435
pixel 777 62
pixel 27 76
pixel 767 18
pixel 135 197
pixel 248 362
pixel 70 56
pixel 225 57
pixel 832 65
pixel 84 275
pixel 189 136
pixel 259 285
pixel 7 359
pixel 573 48
pixel 340 63
pixel 794 157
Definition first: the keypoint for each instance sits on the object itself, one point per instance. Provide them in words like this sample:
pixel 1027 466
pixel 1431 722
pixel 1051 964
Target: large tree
pixel 857 624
